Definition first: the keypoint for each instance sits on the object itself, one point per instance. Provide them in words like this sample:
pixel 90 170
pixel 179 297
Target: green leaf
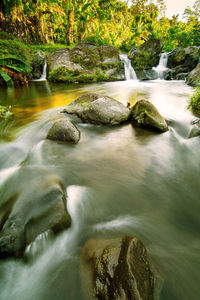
pixel 6 78
pixel 17 69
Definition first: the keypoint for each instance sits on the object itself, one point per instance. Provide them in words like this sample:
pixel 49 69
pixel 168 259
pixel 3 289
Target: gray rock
pixel 195 130
pixel 118 269
pixel 194 76
pixel 39 208
pixel 185 58
pixel 84 63
pixel 98 109
pixel 144 114
pixel 63 130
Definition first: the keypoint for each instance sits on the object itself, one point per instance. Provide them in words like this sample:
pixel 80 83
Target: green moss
pixel 106 66
pixel 194 101
pixel 141 61
pixel 62 74
pixel 87 58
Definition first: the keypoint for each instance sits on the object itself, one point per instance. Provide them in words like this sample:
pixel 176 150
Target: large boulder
pixel 98 109
pixel 184 58
pixel 84 63
pixel 118 269
pixel 39 208
pixel 144 114
pixel 64 131
pixel 147 55
pixel 194 76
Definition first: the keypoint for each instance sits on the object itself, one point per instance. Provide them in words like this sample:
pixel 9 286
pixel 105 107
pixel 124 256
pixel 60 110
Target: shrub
pixel 194 101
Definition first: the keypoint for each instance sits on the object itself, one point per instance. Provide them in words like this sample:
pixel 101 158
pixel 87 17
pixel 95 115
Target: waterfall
pixel 128 69
pixel 44 72
pixel 162 66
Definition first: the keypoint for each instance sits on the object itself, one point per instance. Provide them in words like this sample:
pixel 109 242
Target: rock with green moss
pixel 147 55
pixel 194 76
pixel 185 59
pixel 64 131
pixel 98 109
pixel 144 114
pixel 118 269
pixel 84 63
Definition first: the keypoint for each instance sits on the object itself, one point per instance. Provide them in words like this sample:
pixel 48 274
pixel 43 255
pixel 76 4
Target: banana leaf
pixel 6 78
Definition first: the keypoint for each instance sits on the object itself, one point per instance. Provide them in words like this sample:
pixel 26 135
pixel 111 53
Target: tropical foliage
pixel 10 66
pixel 101 21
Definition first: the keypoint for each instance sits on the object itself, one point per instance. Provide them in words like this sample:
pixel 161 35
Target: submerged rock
pixel 194 76
pixel 195 130
pixel 144 114
pixel 98 109
pixel 84 63
pixel 118 269
pixel 63 130
pixel 39 208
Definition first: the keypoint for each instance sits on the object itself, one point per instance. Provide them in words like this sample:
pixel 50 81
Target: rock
pixel 63 130
pixel 194 77
pixel 84 63
pixel 38 64
pixel 118 269
pixel 149 74
pixel 144 114
pixel 98 109
pixel 39 208
pixel 195 130
pixel 147 55
pixel 185 58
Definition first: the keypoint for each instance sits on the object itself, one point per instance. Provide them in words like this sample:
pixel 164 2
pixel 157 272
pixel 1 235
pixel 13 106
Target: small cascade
pixel 128 69
pixel 44 72
pixel 162 66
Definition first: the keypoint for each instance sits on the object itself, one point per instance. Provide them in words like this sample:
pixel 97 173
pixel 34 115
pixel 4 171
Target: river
pixel 120 181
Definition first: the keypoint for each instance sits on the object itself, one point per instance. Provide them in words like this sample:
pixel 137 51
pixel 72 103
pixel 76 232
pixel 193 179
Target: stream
pixel 120 181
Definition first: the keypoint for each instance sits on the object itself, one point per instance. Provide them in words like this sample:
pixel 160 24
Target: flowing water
pixel 128 69
pixel 162 66
pixel 120 181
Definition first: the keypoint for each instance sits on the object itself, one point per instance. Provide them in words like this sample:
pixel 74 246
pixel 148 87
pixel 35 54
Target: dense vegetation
pixel 102 21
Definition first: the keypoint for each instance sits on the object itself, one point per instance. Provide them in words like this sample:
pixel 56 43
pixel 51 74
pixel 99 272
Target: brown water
pixel 120 181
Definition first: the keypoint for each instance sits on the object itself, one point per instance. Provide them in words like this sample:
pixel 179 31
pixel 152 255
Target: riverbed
pixel 120 181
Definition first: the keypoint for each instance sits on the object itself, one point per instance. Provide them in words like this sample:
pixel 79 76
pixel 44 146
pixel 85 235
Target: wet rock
pixel 147 55
pixel 118 269
pixel 144 114
pixel 185 58
pixel 38 64
pixel 98 109
pixel 195 130
pixel 84 63
pixel 63 130
pixel 39 208
pixel 194 76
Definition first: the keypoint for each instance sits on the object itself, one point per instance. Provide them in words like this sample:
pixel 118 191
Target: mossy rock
pixel 98 109
pixel 147 55
pixel 144 114
pixel 84 63
pixel 194 77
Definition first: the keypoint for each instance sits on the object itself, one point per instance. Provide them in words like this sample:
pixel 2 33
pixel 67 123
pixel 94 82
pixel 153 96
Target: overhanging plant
pixel 13 64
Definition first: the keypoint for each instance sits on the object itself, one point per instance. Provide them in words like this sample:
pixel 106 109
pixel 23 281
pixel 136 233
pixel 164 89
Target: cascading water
pixel 162 66
pixel 44 72
pixel 128 69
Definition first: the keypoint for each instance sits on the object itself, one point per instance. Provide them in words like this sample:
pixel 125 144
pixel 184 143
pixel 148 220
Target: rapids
pixel 120 181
